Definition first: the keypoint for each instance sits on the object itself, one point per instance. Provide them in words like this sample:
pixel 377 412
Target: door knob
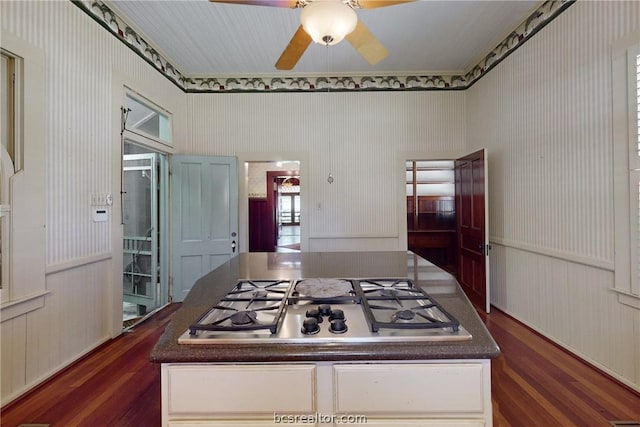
pixel 233 246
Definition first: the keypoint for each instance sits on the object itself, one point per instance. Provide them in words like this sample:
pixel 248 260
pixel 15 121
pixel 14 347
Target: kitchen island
pixel 385 383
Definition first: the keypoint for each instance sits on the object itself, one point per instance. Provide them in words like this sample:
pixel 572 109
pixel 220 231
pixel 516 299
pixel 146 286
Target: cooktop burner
pixel 320 310
pixel 252 305
pixel 397 304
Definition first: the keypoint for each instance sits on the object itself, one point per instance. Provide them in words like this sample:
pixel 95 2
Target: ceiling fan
pixel 327 22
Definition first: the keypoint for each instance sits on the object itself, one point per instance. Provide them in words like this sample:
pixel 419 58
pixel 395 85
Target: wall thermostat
pixel 100 215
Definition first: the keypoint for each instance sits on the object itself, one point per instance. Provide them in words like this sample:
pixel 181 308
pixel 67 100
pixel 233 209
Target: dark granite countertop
pixel 210 288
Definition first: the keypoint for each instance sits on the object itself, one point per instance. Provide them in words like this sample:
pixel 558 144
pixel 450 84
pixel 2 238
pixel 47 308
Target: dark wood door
pixel 471 227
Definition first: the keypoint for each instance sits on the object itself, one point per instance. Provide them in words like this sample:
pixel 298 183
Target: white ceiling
pixel 424 37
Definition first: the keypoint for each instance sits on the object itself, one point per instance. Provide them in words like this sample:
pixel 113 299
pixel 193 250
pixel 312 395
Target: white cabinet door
pixel 239 391
pixel 395 389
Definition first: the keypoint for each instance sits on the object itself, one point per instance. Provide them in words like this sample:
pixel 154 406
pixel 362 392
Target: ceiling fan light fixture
pixel 328 21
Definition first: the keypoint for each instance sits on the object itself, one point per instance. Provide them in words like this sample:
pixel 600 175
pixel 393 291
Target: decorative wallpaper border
pixel 106 17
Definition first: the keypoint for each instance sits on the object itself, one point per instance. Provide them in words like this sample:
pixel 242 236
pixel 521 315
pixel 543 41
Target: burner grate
pixel 398 304
pixel 252 305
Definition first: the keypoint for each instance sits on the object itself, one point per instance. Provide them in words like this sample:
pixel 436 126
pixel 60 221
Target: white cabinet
pixel 409 389
pixel 429 393
pixel 193 392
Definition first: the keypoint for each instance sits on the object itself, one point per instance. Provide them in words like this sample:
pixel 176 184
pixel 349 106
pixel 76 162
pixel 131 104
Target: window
pixel 626 114
pixel 290 209
pixel 11 76
pixel 22 199
pixel 9 157
pixel 634 165
pixel 146 119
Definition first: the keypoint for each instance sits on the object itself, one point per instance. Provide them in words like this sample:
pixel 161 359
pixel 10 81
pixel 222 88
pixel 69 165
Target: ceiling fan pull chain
pixel 330 177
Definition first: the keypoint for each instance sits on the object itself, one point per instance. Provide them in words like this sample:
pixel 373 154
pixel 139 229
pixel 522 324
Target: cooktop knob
pixel 338 326
pixel 336 314
pixel 310 326
pixel 315 314
pixel 324 309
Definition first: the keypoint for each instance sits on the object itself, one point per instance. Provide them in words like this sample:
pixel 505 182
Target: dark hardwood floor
pixel 535 383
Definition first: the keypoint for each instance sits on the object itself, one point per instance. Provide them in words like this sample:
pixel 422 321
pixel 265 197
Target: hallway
pixel 289 239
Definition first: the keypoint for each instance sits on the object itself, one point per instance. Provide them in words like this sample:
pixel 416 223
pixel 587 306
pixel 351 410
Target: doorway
pixel 274 202
pixel 144 217
pixel 448 221
pixel 431 214
pixel 288 212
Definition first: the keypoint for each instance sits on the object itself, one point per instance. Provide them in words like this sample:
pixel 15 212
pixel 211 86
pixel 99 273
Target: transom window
pixel 147 119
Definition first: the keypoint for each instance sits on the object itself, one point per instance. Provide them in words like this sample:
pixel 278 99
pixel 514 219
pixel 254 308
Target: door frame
pixel 159 171
pixel 243 192
pixel 272 201
pixel 402 202
pixel 121 85
pixel 161 160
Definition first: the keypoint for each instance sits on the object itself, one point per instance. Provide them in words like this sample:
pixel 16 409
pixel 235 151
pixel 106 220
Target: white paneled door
pixel 204 217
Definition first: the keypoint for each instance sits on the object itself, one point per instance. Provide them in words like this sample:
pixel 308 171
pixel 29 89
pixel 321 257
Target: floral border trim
pixel 102 14
pixel 322 84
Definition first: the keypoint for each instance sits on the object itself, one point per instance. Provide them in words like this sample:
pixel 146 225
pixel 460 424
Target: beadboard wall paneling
pixel 74 320
pixel 80 57
pixel 545 116
pixel 13 356
pixel 356 136
pixel 571 304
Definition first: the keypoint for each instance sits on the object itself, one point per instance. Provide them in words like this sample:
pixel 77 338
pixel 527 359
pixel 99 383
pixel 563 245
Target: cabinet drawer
pixel 411 389
pixel 240 390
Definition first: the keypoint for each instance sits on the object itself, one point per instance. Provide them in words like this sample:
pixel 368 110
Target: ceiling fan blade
pixel 373 4
pixel 365 42
pixel 294 50
pixel 272 3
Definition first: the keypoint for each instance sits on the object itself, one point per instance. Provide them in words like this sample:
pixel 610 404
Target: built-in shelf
pixel 431 221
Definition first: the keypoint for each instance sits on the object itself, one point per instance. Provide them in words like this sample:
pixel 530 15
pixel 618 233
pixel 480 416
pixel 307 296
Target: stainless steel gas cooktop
pixel 321 310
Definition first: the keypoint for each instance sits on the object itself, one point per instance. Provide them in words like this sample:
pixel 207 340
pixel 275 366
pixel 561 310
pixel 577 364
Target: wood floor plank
pixel 534 383
pixel 562 383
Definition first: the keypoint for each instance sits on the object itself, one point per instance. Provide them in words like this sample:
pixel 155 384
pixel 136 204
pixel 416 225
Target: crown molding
pixel 117 26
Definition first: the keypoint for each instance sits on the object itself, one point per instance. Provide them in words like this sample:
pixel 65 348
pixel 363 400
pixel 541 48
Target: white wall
pixel 82 62
pixel 545 116
pixel 362 138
